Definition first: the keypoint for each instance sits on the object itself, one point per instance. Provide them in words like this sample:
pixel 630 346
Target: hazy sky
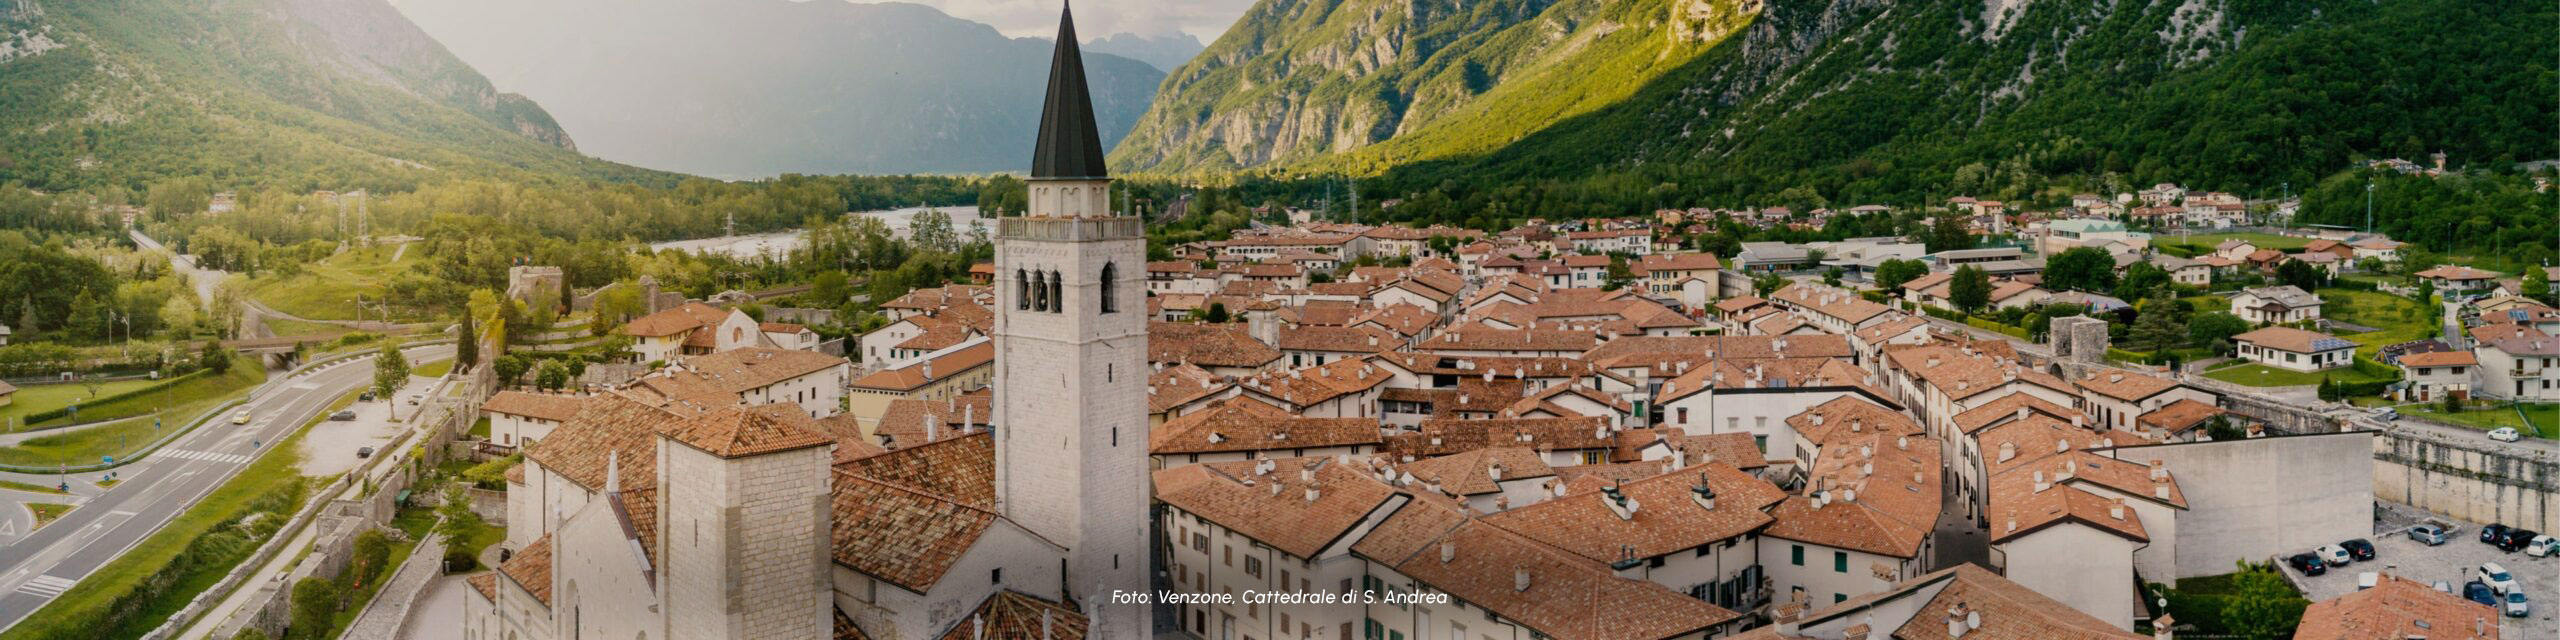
pixel 1204 19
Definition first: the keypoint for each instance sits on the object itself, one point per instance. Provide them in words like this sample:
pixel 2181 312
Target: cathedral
pixel 668 508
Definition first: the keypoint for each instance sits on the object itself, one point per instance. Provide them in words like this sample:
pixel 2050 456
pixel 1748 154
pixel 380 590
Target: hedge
pixel 163 385
pixel 2007 330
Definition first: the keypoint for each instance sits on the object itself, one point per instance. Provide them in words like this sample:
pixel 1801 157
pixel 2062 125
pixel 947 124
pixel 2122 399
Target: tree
pixel 2427 292
pixel 1891 273
pixel 315 604
pixel 2329 391
pixel 466 345
pixel 2261 606
pixel 510 369
pixel 390 369
pixel 553 376
pixel 2452 403
pixel 367 560
pixel 931 229
pixel 2220 428
pixel 2537 285
pixel 215 358
pixel 830 288
pixel 2214 329
pixel 2081 269
pixel 1947 233
pixel 1217 313
pixel 2142 280
pixel 1765 283
pixel 1831 276
pixel 1970 289
pixel 2301 275
pixel 2157 329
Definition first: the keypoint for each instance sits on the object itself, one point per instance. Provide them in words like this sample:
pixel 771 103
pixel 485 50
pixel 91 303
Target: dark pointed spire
pixel 1069 146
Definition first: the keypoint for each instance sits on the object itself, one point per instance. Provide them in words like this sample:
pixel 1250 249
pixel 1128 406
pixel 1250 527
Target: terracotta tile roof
pixel 1514 367
pixel 2439 359
pixel 1562 591
pixel 742 370
pixel 1480 338
pixel 1180 385
pixel 2178 417
pixel 899 534
pixel 1677 262
pixel 2125 385
pixel 1584 478
pixel 674 387
pixel 485 584
pixel 2394 609
pixel 1475 472
pixel 938 297
pixel 1207 345
pixel 960 469
pixel 2294 340
pixel 683 318
pixel 1246 424
pixel 1778 373
pixel 2456 272
pixel 1737 449
pixel 1700 349
pixel 2036 438
pixel 1403 319
pixel 780 327
pixel 1317 384
pixel 2006 408
pixel 741 432
pixel 1900 323
pixel 1273 508
pixel 1438 437
pixel 2009 611
pixel 1962 376
pixel 1738 303
pixel 1830 301
pixel 850 443
pixel 1850 419
pixel 1878 494
pixel 547 406
pixel 608 424
pixel 638 509
pixel 1324 313
pixel 944 366
pixel 1576 388
pixel 2017 509
pixel 1339 339
pixel 1667 519
pixel 1013 614
pixel 1928 282
pixel 530 569
pixel 937 335
pixel 903 422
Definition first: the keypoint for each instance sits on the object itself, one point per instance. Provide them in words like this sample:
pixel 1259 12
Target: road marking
pixel 307 386
pixel 46 586
pixel 188 454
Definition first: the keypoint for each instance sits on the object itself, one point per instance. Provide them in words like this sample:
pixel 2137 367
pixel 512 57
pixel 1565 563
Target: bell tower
pixel 1071 344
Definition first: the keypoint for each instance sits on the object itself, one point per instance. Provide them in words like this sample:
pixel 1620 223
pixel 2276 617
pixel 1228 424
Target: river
pixel 782 243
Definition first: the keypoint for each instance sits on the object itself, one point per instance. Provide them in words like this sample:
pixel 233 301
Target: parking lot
pixel 2452 563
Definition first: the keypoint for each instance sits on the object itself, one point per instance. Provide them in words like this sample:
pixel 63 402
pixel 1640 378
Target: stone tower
pixel 745 528
pixel 1071 344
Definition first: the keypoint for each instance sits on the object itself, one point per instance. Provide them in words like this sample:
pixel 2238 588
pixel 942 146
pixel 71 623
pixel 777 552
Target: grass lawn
pixel 327 289
pixel 2259 375
pixel 283 327
pixel 91 602
pixel 2546 417
pixel 435 369
pixel 480 427
pixel 177 406
pixel 48 397
pixel 2205 242
pixel 2399 319
pixel 13 485
pixel 47 512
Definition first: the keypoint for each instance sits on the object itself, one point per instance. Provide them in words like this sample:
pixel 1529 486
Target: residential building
pixel 2295 349
pixel 2276 305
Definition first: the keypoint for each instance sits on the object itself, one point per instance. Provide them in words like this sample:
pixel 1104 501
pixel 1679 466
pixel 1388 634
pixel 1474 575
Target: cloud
pixel 1204 19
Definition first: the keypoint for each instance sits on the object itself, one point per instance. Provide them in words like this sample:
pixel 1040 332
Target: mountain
pixel 1886 99
pixel 293 93
pixel 1167 51
pixel 750 88
pixel 1295 80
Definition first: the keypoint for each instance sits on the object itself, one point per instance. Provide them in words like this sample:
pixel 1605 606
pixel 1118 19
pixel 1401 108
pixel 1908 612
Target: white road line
pixel 46 586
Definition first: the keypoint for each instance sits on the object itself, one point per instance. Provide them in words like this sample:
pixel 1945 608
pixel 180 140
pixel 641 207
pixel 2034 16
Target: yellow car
pixel 240 418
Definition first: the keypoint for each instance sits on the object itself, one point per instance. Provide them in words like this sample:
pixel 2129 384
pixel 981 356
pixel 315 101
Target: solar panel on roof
pixel 2325 344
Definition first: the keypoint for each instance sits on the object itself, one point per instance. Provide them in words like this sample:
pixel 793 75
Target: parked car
pixel 2309 565
pixel 2491 533
pixel 240 418
pixel 367 397
pixel 364 452
pixel 2516 606
pixel 2335 555
pixel 343 415
pixel 2360 548
pixel 414 398
pixel 2430 534
pixel 2496 576
pixel 2480 593
pixel 2542 547
pixel 2386 414
pixel 2505 434
pixel 2513 540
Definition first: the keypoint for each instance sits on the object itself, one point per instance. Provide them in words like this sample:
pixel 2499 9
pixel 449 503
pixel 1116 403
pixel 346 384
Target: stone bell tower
pixel 1071 344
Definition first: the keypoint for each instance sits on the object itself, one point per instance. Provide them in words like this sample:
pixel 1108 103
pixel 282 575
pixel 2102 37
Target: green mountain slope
pixel 1317 83
pixel 289 93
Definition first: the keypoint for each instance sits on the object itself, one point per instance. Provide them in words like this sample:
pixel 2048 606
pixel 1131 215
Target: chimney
pixel 2159 470
pixel 932 427
pixel 928 370
pixel 978 627
pixel 1448 551
pixel 2022 414
pixel 1902 443
pixel 2008 450
pixel 2060 446
pixel 2116 509
pixel 1047 625
pixel 1313 493
pixel 2041 484
pixel 1520 579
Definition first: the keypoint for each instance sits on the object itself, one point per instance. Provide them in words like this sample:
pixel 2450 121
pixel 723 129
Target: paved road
pixel 204 279
pixel 35 568
pixel 2453 328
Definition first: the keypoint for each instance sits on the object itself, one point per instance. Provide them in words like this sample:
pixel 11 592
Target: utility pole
pixel 2368 205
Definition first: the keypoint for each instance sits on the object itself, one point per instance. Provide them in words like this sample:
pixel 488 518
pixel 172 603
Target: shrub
pixel 315 606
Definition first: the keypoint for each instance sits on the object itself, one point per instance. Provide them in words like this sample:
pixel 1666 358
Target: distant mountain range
pixel 290 93
pixel 753 88
pixel 1165 52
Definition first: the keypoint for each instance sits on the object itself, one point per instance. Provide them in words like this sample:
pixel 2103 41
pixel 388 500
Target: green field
pixel 435 369
pixel 13 485
pixel 2259 375
pixel 176 406
pixel 327 289
pixel 286 328
pixel 2400 319
pixel 2204 243
pixel 48 397
pixel 2546 417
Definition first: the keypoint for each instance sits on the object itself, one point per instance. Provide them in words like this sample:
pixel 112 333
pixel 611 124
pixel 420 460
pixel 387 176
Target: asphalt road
pixel 37 567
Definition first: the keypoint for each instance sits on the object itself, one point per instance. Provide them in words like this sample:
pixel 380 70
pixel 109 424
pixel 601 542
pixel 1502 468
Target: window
pixel 1110 288
pixel 996 575
pixel 1057 293
pixel 1798 554
pixel 1684 415
pixel 1837 597
pixel 1839 562
pixel 1021 290
pixel 1253 566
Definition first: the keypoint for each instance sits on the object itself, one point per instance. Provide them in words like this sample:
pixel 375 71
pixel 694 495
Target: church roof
pixel 1070 145
pixel 1013 614
pixel 742 432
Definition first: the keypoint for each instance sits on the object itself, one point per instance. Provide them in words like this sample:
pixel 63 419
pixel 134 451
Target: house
pixel 935 376
pixel 518 418
pixel 1865 523
pixel 1961 601
pixel 2063 235
pixel 2454 277
pixel 1635 242
pixel 2384 249
pixel 2517 362
pixel 2276 305
pixel 813 381
pixel 2184 271
pixel 1504 584
pixel 2295 349
pixel 784 335
pixel 2115 399
pixel 1695 529
pixel 1275 525
pixel 1771 257
pixel 1223 349
pixel 2235 249
pixel 1245 428
pixel 2396 608
pixel 692 328
pixel 1691 278
pixel 2432 376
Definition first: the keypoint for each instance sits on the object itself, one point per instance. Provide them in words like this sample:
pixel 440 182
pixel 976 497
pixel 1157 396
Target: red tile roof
pixel 1273 508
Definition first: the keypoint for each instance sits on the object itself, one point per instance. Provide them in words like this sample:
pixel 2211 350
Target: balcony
pixel 1071 229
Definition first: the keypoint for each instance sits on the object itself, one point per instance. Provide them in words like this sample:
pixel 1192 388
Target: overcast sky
pixel 1204 19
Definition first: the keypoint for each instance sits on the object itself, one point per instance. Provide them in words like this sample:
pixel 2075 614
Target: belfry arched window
pixel 1110 288
pixel 1057 294
pixel 1039 291
pixel 1021 290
